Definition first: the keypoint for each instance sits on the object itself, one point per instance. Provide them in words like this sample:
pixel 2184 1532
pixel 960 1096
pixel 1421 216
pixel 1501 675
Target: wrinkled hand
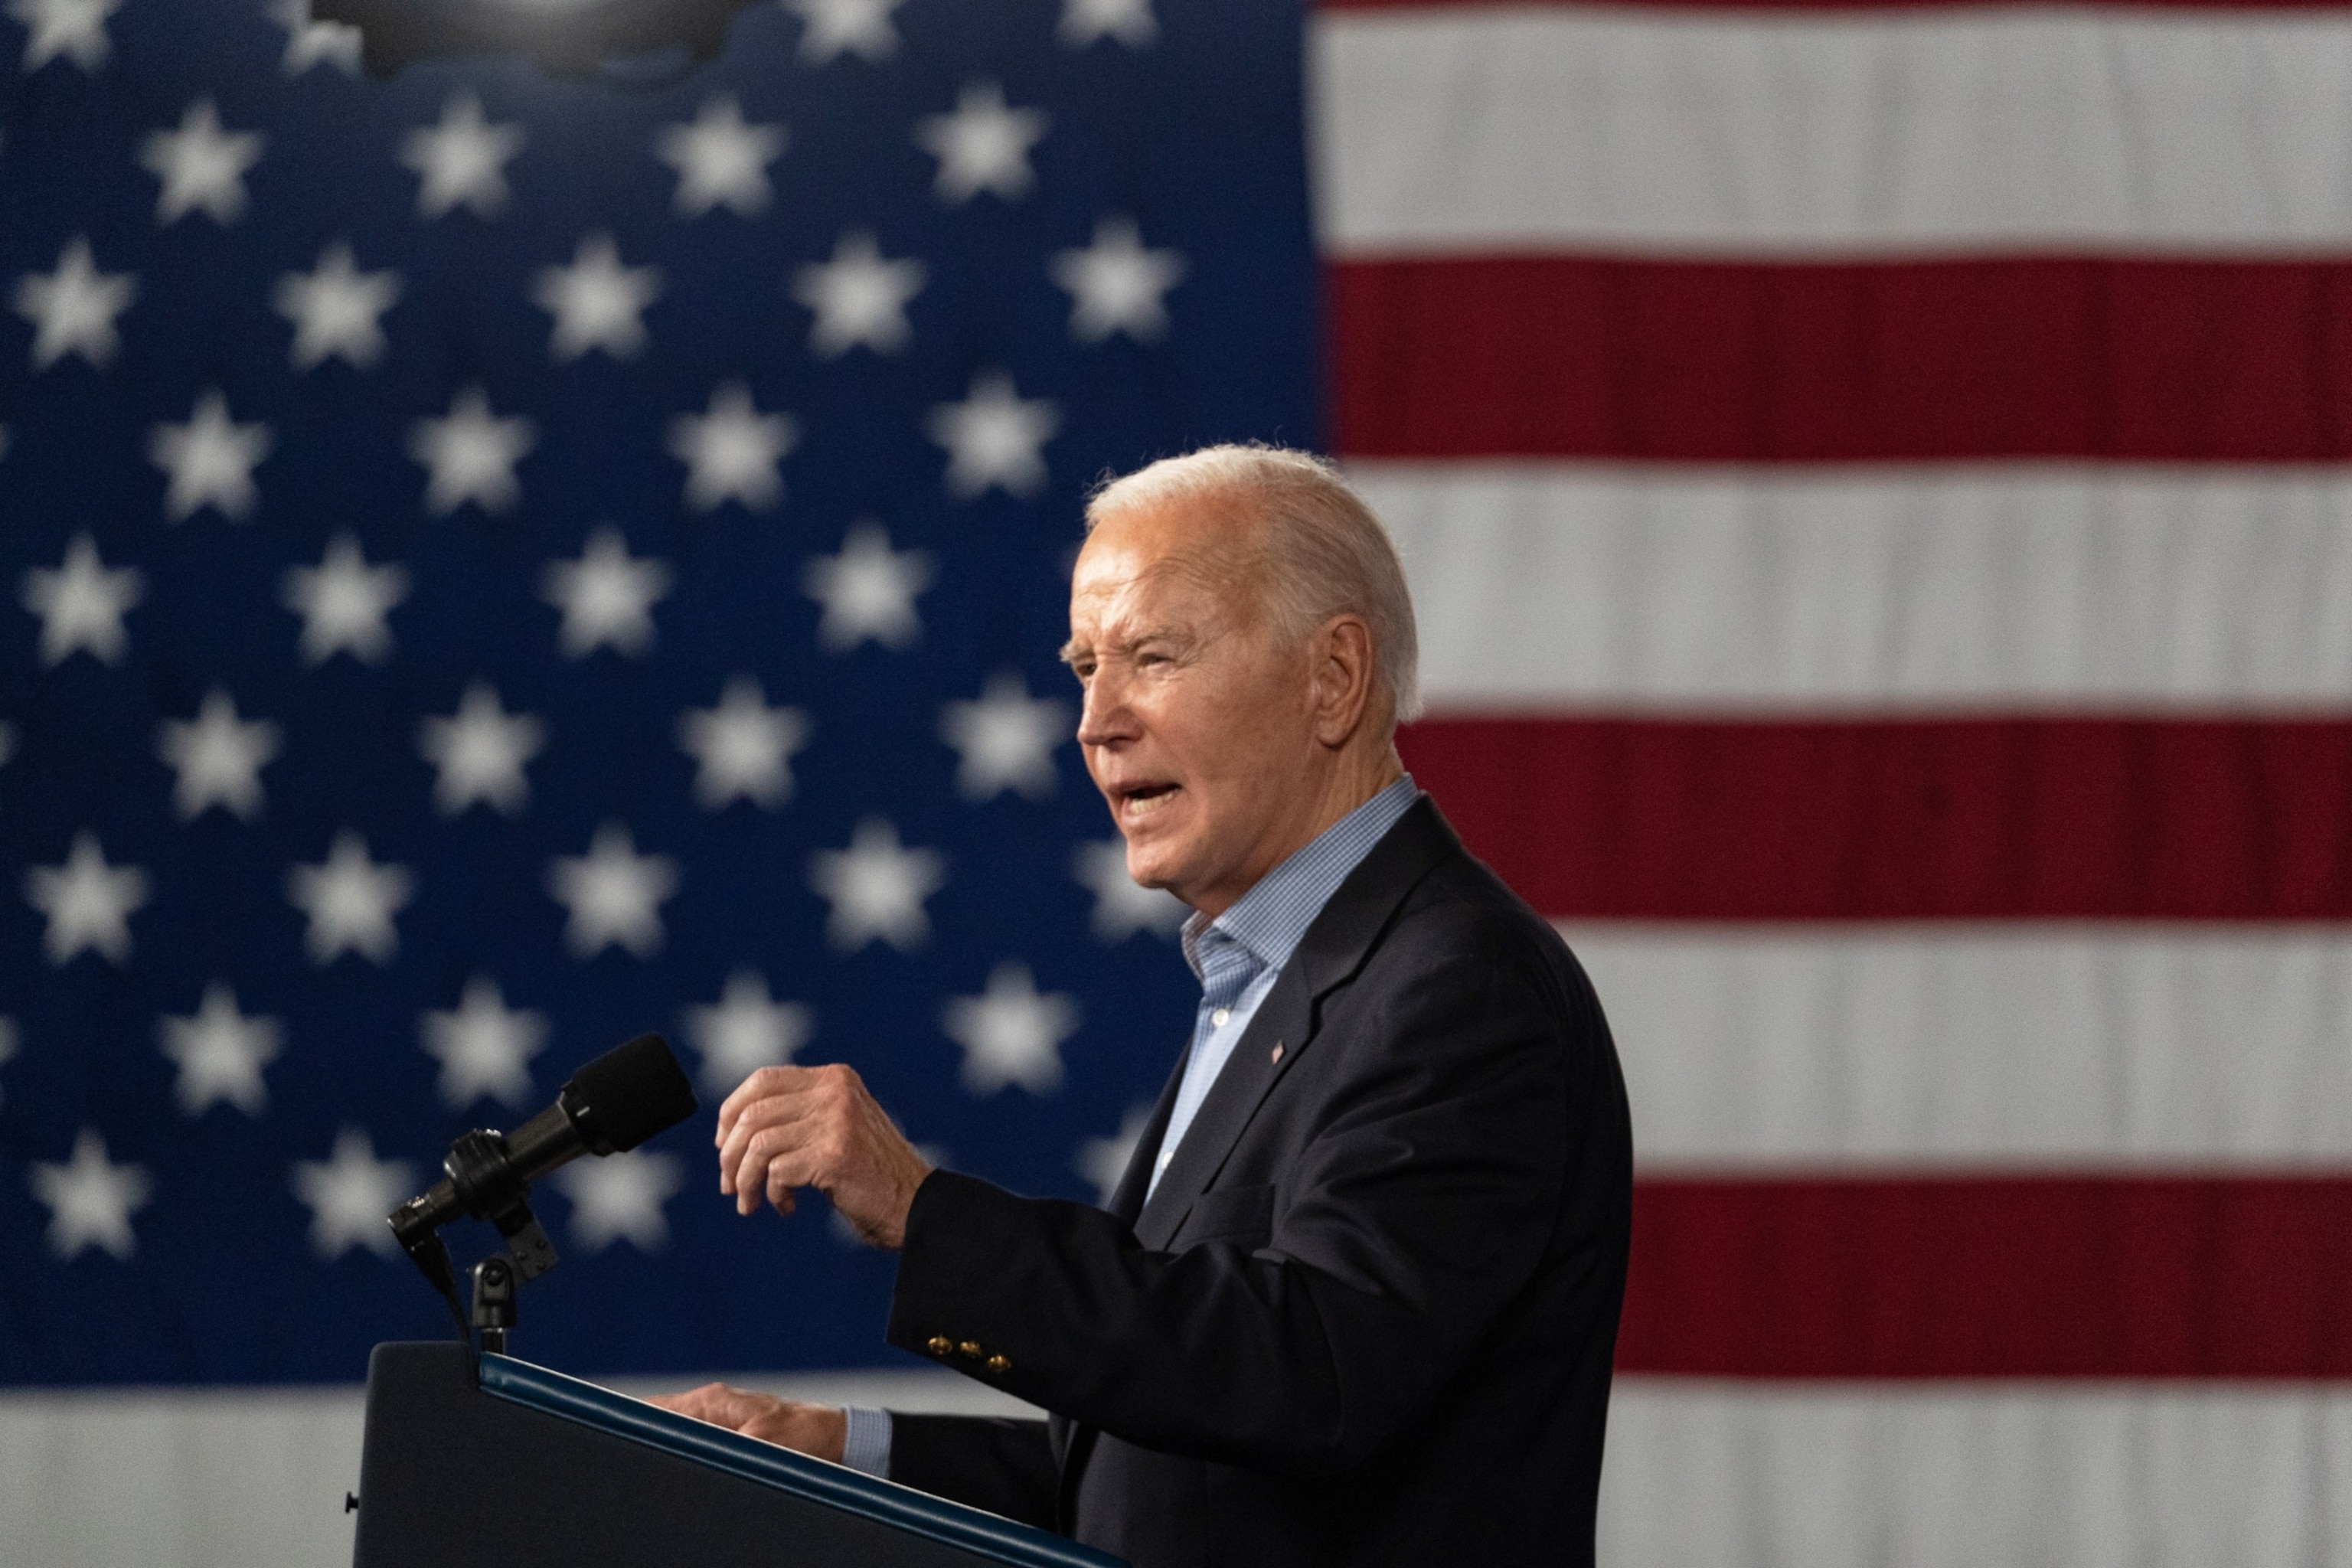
pixel 817 1127
pixel 818 1431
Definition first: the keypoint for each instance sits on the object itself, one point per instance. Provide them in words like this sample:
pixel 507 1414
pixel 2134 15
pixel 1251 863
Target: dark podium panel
pixel 522 1467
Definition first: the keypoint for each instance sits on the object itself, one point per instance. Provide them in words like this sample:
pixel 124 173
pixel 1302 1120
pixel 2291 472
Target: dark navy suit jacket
pixel 1368 1315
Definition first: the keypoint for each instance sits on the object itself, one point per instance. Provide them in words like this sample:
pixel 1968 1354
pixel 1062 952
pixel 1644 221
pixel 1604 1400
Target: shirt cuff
pixel 867 1444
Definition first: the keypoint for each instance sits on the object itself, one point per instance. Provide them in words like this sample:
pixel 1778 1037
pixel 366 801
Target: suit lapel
pixel 1332 950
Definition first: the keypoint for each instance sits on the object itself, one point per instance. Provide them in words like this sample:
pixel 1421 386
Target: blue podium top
pixel 836 1486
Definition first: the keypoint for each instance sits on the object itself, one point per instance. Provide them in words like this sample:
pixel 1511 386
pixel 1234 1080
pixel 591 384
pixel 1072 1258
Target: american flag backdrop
pixel 490 563
pixel 1874 484
pixel 496 563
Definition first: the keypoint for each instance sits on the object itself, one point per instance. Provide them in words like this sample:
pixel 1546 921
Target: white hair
pixel 1322 553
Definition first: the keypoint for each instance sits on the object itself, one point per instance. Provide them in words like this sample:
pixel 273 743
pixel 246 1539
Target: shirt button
pixel 999 1365
pixel 970 1348
pixel 1222 1016
pixel 939 1344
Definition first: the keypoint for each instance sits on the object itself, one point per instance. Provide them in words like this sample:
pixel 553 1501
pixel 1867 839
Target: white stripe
pixel 1925 1476
pixel 209 1478
pixel 177 1480
pixel 1968 130
pixel 1595 585
pixel 2016 1044
pixel 1906 1476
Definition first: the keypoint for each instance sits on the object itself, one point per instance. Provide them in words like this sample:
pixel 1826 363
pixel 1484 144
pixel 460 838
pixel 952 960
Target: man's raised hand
pixel 785 1127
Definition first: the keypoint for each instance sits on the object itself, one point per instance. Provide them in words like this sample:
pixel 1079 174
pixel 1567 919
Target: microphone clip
pixel 484 1181
pixel 482 1171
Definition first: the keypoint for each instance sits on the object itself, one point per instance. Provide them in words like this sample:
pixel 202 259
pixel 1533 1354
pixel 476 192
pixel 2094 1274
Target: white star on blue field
pixel 491 565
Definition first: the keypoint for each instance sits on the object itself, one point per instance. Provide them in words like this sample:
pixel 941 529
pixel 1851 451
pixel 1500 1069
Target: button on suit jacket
pixel 1367 1317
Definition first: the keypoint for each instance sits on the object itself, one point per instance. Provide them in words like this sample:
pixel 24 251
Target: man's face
pixel 1198 727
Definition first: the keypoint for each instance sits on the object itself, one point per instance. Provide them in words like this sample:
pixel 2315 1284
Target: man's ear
pixel 1343 677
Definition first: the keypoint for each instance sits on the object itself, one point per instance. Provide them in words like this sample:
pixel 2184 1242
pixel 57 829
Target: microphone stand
pixel 480 1166
pixel 494 1301
pixel 611 1105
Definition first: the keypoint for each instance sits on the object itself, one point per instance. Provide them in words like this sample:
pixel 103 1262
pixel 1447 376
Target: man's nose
pixel 1104 716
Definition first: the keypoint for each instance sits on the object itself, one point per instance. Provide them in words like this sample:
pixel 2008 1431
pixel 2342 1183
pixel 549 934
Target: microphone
pixel 610 1106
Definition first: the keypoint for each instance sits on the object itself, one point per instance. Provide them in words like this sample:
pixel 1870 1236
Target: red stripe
pixel 1991 1276
pixel 1894 819
pixel 1767 361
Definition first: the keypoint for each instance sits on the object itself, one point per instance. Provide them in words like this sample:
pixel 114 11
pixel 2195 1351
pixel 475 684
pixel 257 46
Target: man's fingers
pixel 829 1096
pixel 776 1162
pixel 781 1108
pixel 810 1429
pixel 723 1405
pixel 771 1126
pixel 758 1084
pixel 758 1116
pixel 704 1403
pixel 764 1084
pixel 751 1119
pixel 785 1127
pixel 781 1184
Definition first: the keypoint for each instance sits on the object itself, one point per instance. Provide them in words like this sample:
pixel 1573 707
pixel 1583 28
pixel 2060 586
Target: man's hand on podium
pixel 817 1127
pixel 820 1431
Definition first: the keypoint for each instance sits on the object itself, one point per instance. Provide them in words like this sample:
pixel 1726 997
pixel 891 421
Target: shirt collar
pixel 1272 918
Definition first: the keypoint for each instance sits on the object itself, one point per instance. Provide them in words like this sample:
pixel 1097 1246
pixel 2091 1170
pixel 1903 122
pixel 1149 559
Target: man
pixel 1356 1299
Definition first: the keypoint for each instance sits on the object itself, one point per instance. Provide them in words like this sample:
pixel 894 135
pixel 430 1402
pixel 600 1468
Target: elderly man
pixel 1355 1301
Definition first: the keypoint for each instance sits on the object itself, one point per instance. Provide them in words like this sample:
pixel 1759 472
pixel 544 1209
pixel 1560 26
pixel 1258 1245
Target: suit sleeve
pixel 1004 1466
pixel 1420 1207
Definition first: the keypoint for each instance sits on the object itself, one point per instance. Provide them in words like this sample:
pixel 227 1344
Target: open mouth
pixel 1140 800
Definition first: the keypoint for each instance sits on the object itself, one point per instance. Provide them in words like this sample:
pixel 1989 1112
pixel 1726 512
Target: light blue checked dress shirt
pixel 1236 957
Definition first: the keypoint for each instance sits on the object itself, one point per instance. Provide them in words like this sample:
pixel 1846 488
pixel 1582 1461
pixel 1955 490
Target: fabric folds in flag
pixel 1870 478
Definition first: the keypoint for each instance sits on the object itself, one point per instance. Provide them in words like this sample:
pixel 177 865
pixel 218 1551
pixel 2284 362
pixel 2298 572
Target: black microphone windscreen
pixel 628 1095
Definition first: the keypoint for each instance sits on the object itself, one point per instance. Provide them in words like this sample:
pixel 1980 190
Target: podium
pixel 489 1462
